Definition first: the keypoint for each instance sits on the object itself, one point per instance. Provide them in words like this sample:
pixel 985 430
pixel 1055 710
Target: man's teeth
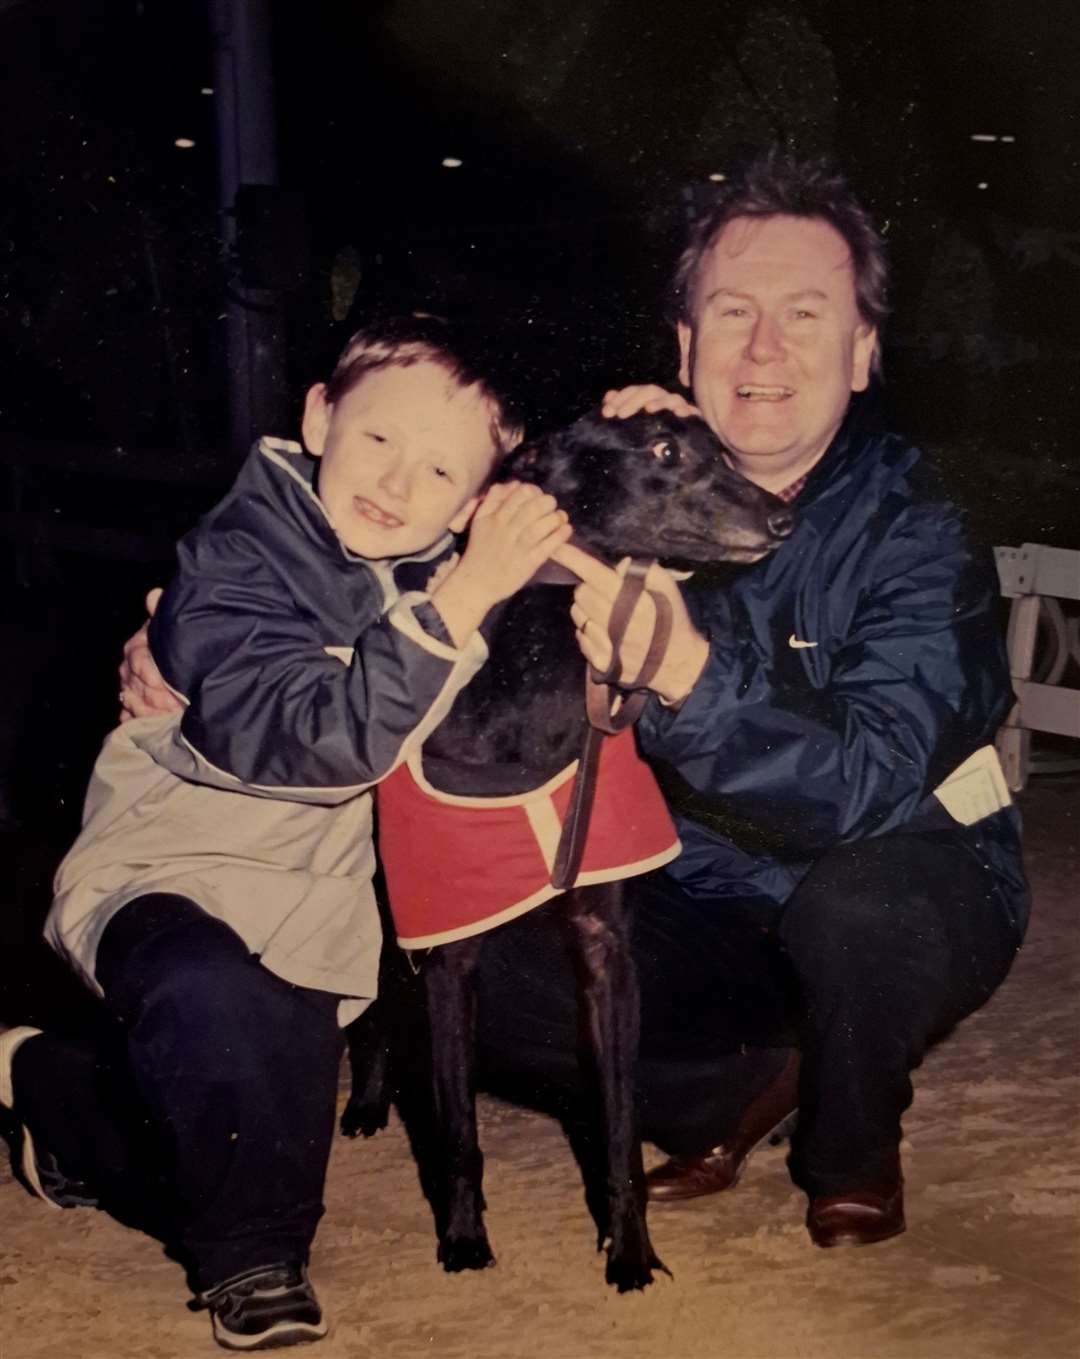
pixel 750 393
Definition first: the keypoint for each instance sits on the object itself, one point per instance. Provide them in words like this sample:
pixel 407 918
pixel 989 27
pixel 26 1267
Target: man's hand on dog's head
pixel 645 396
pixel 687 650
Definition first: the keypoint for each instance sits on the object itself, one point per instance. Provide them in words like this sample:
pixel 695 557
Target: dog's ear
pixel 542 462
pixel 524 463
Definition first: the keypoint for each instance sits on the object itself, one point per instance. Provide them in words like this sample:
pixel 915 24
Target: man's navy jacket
pixel 849 674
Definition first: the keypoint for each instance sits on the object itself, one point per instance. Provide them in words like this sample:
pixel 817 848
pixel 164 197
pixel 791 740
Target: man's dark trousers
pixel 883 947
pixel 204 1112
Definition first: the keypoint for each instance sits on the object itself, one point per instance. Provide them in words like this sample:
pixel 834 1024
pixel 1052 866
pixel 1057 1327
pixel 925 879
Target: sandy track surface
pixel 989 1267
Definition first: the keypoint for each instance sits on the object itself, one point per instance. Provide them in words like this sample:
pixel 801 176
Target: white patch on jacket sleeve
pixel 975 789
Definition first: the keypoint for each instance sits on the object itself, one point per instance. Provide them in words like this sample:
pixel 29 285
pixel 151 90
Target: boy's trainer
pixel 35 1168
pixel 264 1308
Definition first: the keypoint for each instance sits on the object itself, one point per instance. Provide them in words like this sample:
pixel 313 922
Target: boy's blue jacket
pixel 305 670
pixel 849 674
pixel 307 674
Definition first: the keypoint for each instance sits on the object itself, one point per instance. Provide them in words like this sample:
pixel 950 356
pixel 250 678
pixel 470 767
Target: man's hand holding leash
pixel 594 598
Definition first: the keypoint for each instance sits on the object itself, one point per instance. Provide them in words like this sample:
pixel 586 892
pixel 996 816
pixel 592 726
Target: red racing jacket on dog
pixel 456 866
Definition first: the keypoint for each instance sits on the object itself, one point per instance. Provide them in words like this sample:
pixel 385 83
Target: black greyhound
pixel 650 486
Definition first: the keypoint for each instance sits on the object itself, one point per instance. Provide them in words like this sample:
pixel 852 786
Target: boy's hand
pixel 687 650
pixel 647 396
pixel 142 690
pixel 515 530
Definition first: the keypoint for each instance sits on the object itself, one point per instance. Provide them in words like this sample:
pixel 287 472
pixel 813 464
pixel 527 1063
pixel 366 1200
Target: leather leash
pixel 610 708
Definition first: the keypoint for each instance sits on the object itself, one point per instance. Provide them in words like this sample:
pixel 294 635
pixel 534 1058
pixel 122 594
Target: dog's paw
pixel 363 1119
pixel 456 1253
pixel 629 1270
pixel 631 1258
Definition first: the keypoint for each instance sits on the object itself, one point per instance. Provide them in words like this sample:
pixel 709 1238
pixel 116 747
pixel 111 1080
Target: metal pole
pixel 254 321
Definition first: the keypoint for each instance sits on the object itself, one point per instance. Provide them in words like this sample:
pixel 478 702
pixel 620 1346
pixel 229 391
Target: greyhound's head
pixel 652 485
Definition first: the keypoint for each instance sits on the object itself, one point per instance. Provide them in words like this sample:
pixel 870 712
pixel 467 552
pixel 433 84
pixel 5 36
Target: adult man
pixel 827 900
pixel 831 913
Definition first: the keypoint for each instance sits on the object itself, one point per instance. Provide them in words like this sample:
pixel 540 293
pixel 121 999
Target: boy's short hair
pixel 419 337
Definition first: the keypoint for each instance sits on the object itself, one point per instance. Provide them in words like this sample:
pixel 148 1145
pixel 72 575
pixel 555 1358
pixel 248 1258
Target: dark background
pixel 585 128
pixel 582 126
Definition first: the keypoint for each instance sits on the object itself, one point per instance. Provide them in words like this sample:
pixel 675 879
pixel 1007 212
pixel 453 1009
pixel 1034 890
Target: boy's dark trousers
pixel 203 1113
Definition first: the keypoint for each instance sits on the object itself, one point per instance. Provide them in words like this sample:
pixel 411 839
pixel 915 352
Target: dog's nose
pixel 781 522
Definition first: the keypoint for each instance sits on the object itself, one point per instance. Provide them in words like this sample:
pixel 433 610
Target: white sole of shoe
pixel 278 1337
pixel 10 1042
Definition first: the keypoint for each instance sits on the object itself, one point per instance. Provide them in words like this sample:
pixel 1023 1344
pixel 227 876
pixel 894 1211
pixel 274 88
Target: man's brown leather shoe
pixel 770 1116
pixel 858 1218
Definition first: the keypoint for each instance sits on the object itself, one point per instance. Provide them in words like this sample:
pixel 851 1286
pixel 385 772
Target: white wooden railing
pixel 1043 638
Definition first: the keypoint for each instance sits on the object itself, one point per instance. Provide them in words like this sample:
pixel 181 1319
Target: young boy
pixel 219 896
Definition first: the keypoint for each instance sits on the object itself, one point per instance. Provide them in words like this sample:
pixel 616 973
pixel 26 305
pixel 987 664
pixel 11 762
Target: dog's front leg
pixel 449 975
pixel 600 917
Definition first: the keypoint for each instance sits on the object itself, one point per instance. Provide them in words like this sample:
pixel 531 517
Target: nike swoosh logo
pixel 797 642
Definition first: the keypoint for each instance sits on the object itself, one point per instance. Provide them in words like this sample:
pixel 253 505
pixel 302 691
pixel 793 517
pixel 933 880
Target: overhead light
pixel 1008 139
pixel 184 143
pixel 718 178
pixel 207 89
pixel 984 137
pixel 451 163
pixel 982 184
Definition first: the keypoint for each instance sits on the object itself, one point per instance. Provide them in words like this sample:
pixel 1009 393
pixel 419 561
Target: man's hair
pixel 778 184
pixel 418 337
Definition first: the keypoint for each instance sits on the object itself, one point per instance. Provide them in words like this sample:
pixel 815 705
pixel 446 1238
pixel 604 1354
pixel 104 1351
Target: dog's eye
pixel 665 453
